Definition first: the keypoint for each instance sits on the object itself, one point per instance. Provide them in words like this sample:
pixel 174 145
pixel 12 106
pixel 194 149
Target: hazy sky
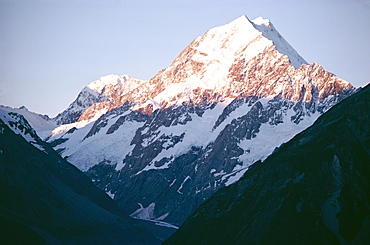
pixel 51 49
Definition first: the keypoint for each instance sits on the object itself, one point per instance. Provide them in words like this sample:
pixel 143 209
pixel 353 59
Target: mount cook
pixel 161 147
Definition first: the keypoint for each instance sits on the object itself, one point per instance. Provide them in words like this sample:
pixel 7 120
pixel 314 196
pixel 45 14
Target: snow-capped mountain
pixel 163 146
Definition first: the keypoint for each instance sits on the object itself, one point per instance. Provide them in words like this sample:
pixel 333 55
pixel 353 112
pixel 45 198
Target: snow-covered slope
pixel 20 125
pixel 42 124
pixel 161 147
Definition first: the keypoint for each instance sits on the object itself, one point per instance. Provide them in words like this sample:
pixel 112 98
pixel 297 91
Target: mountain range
pixel 160 148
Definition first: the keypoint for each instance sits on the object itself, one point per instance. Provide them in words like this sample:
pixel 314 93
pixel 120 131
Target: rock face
pixel 97 98
pixel 46 200
pixel 312 190
pixel 229 99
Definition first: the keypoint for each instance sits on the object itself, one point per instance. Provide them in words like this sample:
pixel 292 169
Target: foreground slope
pixel 229 99
pixel 315 189
pixel 44 199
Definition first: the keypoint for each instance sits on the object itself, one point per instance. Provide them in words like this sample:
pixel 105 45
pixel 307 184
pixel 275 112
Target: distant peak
pixel 258 21
pixel 112 79
pixel 261 21
pixel 242 20
pixel 243 31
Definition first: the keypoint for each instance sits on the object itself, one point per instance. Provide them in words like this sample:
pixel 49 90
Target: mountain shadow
pixel 46 200
pixel 314 189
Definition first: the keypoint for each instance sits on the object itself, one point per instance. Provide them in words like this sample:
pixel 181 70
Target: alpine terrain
pixel 46 200
pixel 315 189
pixel 161 147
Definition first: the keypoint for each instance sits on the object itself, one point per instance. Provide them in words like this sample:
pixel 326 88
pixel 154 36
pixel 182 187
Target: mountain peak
pixel 229 99
pixel 98 97
pixel 261 21
pixel 112 80
pixel 243 20
pixel 221 61
pixel 249 30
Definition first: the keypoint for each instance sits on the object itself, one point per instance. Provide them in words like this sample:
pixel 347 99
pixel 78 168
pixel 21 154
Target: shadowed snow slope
pixel 42 124
pixel 315 189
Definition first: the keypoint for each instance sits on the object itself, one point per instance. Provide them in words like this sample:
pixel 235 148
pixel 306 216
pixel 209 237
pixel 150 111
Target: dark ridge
pixel 45 199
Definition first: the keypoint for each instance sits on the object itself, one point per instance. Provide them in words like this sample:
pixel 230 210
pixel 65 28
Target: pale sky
pixel 51 49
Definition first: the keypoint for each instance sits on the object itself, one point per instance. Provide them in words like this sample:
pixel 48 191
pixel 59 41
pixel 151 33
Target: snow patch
pixel 182 184
pixel 111 194
pixel 144 213
pixel 147 214
pixel 235 174
pixel 173 182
